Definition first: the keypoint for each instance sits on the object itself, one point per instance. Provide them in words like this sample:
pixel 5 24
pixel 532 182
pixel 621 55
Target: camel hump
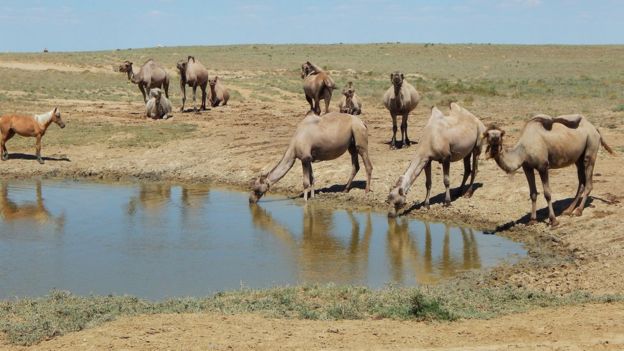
pixel 570 121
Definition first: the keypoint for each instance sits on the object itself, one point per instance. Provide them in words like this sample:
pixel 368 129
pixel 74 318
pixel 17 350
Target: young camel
pixel 193 74
pixel 158 106
pixel 550 143
pixel 218 92
pixel 320 139
pixel 150 75
pixel 350 102
pixel 400 99
pixel 27 126
pixel 317 85
pixel 445 139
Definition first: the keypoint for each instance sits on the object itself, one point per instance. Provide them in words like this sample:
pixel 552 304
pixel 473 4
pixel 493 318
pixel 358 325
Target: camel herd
pixel 545 143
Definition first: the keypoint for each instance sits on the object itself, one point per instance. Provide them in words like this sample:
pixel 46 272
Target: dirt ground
pixel 234 143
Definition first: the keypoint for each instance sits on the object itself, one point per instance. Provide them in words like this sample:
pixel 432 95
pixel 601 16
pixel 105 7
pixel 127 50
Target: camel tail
pixel 604 144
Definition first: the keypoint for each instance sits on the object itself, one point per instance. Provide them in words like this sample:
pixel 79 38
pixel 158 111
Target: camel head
pixel 156 93
pixel 397 79
pixel 125 66
pixel 396 198
pixel 56 117
pixel 213 81
pixel 494 137
pixel 181 66
pixel 348 91
pixel 259 187
pixel 306 69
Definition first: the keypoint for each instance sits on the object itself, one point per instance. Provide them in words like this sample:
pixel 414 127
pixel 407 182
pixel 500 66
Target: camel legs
pixel 530 176
pixel 38 146
pixel 580 170
pixel 404 138
pixel 317 105
pixel 195 98
pixel 547 195
pixel 3 149
pixel 142 88
pixel 589 175
pixel 307 178
pixel 183 88
pixel 473 174
pixel 363 151
pixel 309 99
pixel 394 130
pixel 446 169
pixel 204 96
pixel 427 183
pixel 467 172
pixel 166 87
pixel 355 166
pixel 327 94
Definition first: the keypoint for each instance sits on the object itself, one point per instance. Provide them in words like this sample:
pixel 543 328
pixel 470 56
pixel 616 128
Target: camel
pixel 445 139
pixel 317 85
pixel 150 75
pixel 319 139
pixel 193 74
pixel 550 143
pixel 218 92
pixel 158 106
pixel 350 102
pixel 400 99
pixel 27 126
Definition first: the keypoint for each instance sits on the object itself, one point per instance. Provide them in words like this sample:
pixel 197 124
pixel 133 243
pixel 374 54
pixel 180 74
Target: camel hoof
pixel 554 223
pixel 5 157
pixel 447 204
pixel 40 161
pixel 532 222
pixel 577 212
pixel 567 212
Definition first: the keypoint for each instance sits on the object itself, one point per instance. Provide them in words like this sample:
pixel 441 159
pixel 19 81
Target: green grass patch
pixel 618 108
pixel 27 321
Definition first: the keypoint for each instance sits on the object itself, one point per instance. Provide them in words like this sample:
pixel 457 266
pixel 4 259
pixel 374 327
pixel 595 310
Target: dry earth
pixel 235 142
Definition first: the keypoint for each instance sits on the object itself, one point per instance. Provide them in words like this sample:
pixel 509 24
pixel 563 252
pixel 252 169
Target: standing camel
pixel 320 139
pixel 27 126
pixel 350 102
pixel 551 143
pixel 445 139
pixel 400 99
pixel 317 85
pixel 150 75
pixel 193 74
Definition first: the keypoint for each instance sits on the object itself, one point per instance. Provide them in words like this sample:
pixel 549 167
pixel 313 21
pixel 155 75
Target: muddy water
pixel 157 240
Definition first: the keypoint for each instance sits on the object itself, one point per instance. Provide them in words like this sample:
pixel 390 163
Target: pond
pixel 157 240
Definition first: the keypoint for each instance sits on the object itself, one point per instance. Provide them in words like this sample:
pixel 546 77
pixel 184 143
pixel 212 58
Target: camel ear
pixel 502 133
pixel 391 76
pixel 402 76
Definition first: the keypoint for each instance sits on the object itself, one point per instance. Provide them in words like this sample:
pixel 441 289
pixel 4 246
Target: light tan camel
pixel 158 106
pixel 350 102
pixel 550 143
pixel 193 74
pixel 317 85
pixel 34 126
pixel 400 99
pixel 150 75
pixel 320 139
pixel 218 92
pixel 445 139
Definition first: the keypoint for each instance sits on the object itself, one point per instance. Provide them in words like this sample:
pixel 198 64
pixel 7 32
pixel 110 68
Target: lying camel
pixel 400 99
pixel 193 74
pixel 445 139
pixel 218 92
pixel 317 85
pixel 150 75
pixel 320 139
pixel 350 102
pixel 550 143
pixel 27 126
pixel 158 106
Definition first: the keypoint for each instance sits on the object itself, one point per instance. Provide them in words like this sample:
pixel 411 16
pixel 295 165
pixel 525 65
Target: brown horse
pixel 27 126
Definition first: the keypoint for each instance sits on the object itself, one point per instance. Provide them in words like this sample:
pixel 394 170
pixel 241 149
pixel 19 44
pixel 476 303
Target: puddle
pixel 158 240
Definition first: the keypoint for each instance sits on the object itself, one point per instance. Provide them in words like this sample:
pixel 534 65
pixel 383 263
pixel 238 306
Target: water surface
pixel 158 240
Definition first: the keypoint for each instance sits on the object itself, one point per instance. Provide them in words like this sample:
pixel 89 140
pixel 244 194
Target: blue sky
pixel 31 25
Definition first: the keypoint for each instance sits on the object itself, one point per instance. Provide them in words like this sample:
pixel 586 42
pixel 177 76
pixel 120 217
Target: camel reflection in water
pixel 321 256
pixel 34 212
pixel 406 255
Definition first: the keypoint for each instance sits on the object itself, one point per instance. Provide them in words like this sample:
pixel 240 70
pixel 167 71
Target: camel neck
pixel 285 164
pixel 413 171
pixel 511 159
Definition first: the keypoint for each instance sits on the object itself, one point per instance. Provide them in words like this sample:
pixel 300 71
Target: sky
pixel 85 25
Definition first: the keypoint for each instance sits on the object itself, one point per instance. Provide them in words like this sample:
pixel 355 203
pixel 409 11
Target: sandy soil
pixel 236 142
pixel 569 328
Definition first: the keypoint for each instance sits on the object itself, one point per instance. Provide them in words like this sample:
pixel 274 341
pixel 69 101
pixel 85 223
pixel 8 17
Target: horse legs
pixel 307 176
pixel 446 169
pixel 394 130
pixel 355 166
pixel 530 176
pixel 473 174
pixel 204 96
pixel 547 195
pixel 38 145
pixel 404 138
pixel 589 162
pixel 427 183
pixel 4 153
pixel 580 170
